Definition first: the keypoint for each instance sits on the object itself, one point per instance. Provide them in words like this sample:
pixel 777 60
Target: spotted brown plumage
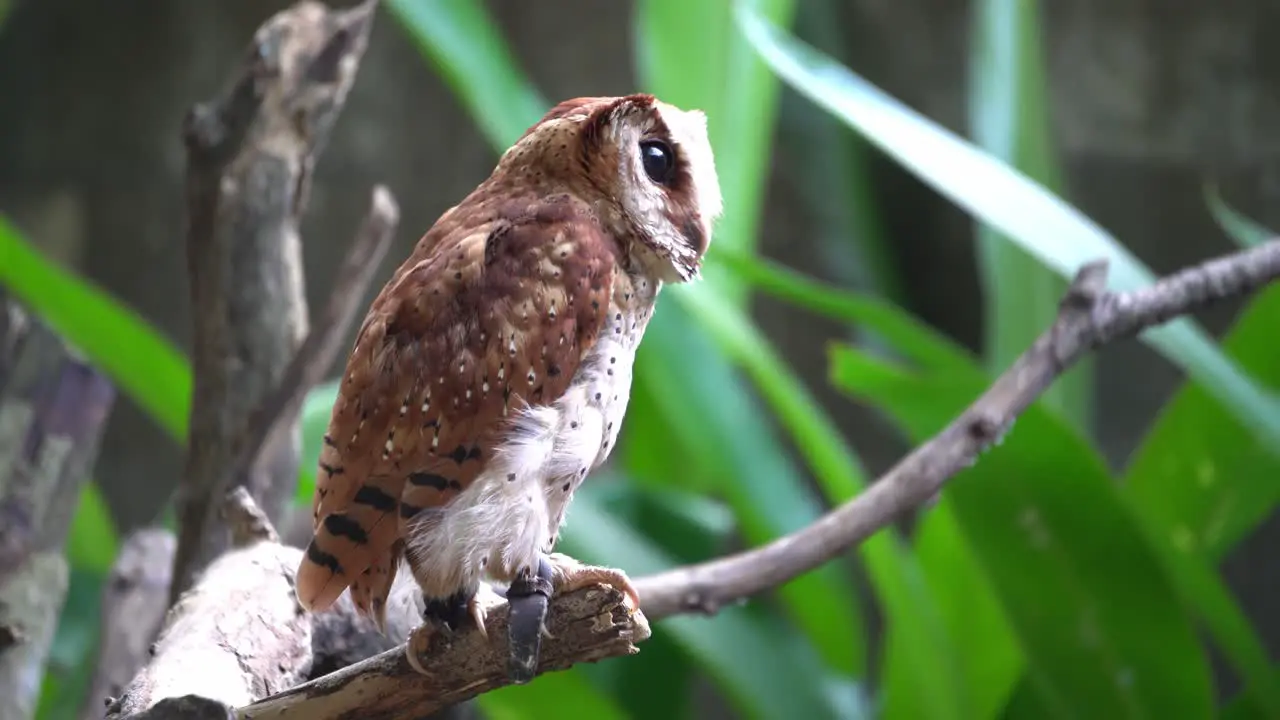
pixel 431 379
pixel 492 372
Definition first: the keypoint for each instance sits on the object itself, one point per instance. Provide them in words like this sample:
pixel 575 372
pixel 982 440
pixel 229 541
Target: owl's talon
pixel 444 617
pixel 418 644
pixel 570 574
pixel 478 615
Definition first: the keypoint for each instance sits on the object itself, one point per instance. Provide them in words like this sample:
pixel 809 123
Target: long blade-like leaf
pixel 461 40
pixel 897 578
pixel 1246 231
pixel 137 358
pixel 1102 624
pixel 1050 229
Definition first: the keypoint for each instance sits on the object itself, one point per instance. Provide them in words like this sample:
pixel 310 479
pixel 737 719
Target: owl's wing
pixel 451 349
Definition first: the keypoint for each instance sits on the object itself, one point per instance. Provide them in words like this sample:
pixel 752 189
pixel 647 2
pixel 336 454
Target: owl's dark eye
pixel 659 162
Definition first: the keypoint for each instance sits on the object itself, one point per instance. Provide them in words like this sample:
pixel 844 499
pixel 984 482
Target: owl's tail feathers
pixel 370 591
pixel 348 542
pixel 321 578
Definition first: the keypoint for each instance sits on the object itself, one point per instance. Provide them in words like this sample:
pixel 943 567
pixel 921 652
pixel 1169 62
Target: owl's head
pixel 645 166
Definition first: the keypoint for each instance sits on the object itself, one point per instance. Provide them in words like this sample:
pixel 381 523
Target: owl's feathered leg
pixel 443 616
pixel 529 595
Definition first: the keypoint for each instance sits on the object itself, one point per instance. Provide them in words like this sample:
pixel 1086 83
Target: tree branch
pixel 250 156
pixel 53 409
pixel 1088 318
pixel 133 604
pixel 239 636
pixel 238 633
pixel 135 599
pixel 271 423
pixel 588 625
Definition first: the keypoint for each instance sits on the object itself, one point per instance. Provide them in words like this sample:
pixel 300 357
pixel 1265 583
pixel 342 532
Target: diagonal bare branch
pixel 1088 318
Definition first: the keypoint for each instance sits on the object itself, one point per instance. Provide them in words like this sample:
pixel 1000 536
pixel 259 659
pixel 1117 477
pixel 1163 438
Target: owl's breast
pixel 596 402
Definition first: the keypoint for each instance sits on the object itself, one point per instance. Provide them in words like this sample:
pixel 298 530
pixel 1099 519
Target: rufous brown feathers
pixel 497 317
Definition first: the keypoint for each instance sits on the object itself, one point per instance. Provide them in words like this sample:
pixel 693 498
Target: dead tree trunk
pixel 53 408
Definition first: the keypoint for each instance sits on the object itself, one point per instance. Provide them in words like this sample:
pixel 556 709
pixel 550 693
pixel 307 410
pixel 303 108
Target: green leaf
pixel 73 655
pixel 964 603
pixel 1044 225
pixel 1197 480
pixel 831 175
pixel 1104 632
pixel 687 526
pixel 91 547
pixel 688 55
pixel 837 468
pixel 460 39
pixel 728 430
pixel 316 411
pixel 924 655
pixel 1245 706
pixel 567 693
pixel 990 662
pixel 1244 230
pixel 141 362
pixel 1199 474
pixel 92 542
pixel 966 606
pixel 920 343
pixel 1008 113
pixel 894 573
pixel 1194 480
pixel 765 671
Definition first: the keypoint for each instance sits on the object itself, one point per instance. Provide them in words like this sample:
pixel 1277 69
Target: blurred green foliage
pixel 1043 583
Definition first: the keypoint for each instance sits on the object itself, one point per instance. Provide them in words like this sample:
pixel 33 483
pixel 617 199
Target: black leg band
pixel 527 599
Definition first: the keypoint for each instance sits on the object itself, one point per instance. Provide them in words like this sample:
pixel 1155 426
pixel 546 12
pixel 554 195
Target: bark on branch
pixel 586 626
pixel 239 637
pixel 133 604
pixel 250 156
pixel 238 634
pixel 53 409
pixel 137 595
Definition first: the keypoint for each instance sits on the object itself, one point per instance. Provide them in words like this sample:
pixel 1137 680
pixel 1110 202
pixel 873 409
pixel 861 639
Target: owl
pixel 492 372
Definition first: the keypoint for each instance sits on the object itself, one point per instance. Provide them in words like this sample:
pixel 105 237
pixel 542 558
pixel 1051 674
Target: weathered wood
pixel 238 634
pixel 53 409
pixel 133 604
pixel 586 625
pixel 238 639
pixel 250 156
